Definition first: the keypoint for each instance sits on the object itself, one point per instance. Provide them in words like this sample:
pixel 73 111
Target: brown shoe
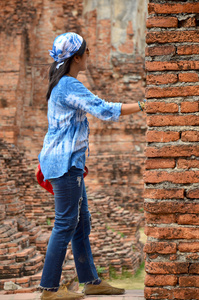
pixel 62 294
pixel 102 289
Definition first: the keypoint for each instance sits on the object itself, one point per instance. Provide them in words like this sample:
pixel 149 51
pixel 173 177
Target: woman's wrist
pixel 128 109
pixel 142 104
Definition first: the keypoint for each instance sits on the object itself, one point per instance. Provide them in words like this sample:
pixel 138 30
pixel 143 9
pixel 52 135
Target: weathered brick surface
pixel 160 50
pixel 171 66
pixel 162 22
pixel 164 193
pixel 173 151
pixel 177 36
pixel 159 218
pixel 162 163
pixel 188 77
pixel 162 136
pixel 172 92
pixel 160 280
pixel 173 8
pixel 160 247
pixel 187 49
pixel 171 195
pixel 161 79
pixel 190 136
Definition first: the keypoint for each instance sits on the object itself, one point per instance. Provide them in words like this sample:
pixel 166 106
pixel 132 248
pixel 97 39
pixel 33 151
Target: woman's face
pixel 83 60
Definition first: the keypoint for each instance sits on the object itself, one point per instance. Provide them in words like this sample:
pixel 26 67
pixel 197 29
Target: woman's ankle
pixel 95 281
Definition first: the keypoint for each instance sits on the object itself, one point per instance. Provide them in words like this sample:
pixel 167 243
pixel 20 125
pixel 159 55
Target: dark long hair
pixel 56 74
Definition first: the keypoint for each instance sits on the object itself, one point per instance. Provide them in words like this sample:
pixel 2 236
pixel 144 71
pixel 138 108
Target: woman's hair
pixel 56 74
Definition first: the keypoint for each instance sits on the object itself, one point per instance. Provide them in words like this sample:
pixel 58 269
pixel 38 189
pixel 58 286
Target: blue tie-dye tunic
pixel 67 138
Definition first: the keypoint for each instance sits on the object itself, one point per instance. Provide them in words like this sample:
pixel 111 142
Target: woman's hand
pixel 36 171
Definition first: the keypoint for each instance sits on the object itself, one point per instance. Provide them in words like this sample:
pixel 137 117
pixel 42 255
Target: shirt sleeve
pixel 79 97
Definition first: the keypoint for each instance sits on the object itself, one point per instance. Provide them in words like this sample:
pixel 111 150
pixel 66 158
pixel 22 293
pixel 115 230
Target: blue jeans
pixel 72 223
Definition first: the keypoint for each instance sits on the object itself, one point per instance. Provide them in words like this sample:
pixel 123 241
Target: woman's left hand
pixel 36 171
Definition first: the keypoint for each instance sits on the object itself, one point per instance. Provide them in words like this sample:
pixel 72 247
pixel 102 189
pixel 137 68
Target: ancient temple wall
pixel 115 34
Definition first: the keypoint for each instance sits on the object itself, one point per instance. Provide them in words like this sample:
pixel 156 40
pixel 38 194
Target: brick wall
pixel 172 164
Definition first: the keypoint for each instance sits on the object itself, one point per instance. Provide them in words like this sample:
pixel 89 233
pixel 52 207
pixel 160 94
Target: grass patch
pixel 129 281
pixel 126 280
pixel 100 271
pixel 48 221
pixel 143 237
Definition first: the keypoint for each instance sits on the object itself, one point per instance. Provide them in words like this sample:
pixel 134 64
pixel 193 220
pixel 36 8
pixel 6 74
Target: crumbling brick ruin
pixel 172 165
pixel 115 33
pixel 26 219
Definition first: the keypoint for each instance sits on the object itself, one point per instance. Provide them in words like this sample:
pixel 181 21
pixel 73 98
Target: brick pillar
pixel 172 164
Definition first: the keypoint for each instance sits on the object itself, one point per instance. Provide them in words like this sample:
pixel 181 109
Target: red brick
pixel 152 256
pixel 171 66
pixel 162 136
pixel 160 280
pixel 164 193
pixel 162 22
pixel 166 267
pixel 173 8
pixel 169 120
pixel 159 218
pixel 160 247
pixel 183 91
pixel 189 36
pixel 188 77
pixel 170 233
pixel 187 107
pixel 187 163
pixel 160 50
pixel 172 151
pixel 192 256
pixel 161 107
pixel 161 79
pixel 3 251
pixel 186 293
pixel 188 49
pixel 193 193
pixel 168 207
pixel 157 293
pixel 160 163
pixel 190 136
pixel 188 219
pixel 189 281
pixel 194 268
pixel 188 247
pixel 190 22
pixel 173 257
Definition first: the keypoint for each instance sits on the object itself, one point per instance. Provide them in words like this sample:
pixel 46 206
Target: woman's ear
pixel 76 58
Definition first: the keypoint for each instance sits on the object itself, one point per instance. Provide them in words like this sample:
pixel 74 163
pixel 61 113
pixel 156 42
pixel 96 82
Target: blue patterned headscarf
pixel 65 45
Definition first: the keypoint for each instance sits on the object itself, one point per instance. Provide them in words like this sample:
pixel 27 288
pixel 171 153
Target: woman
pixel 62 162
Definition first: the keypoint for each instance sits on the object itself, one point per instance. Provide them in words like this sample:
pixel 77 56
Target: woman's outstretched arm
pixel 128 109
